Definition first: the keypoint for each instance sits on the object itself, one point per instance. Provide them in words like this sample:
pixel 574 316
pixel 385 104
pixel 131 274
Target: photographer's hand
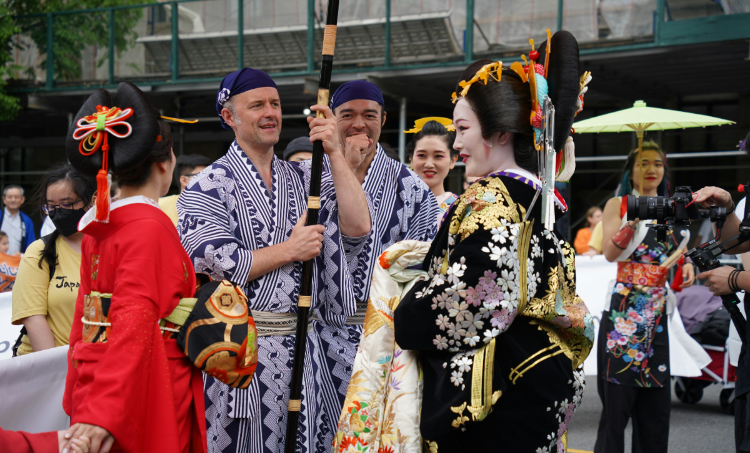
pixel 717 280
pixel 710 195
pixel 720 197
pixel 688 275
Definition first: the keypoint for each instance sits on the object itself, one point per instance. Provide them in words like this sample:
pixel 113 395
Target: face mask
pixel 66 220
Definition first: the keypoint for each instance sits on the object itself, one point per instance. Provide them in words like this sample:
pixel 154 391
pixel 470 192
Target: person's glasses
pixel 47 208
pixel 189 176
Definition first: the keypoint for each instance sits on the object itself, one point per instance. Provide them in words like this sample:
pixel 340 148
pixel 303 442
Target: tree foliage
pixel 72 33
pixel 9 105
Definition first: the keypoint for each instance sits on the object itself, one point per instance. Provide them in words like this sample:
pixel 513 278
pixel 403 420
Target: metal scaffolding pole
pixel 401 129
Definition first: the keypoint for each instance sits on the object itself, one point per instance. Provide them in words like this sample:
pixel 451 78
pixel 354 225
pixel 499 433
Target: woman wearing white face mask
pixel 500 331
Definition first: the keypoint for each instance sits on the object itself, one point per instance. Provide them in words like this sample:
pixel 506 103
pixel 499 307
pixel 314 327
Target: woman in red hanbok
pixel 129 385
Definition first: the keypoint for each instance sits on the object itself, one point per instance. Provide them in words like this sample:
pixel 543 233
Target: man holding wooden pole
pixel 243 219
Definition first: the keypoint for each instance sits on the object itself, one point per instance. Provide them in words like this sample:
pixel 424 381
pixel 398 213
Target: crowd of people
pixel 475 287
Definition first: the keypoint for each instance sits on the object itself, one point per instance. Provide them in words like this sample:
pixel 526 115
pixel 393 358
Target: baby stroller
pixel 706 320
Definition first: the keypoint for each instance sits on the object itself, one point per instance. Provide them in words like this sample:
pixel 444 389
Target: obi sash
pixel 642 274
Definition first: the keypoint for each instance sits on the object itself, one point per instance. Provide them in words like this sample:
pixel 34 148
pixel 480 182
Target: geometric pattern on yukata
pixel 225 213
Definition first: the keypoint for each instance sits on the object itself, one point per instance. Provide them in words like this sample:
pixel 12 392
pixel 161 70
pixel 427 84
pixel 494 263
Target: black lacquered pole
pixel 313 206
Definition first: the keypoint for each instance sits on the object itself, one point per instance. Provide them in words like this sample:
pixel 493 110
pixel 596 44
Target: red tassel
pixel 102 186
pixel 102 197
pixel 677 282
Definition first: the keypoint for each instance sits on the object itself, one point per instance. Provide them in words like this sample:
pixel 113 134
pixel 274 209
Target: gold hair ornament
pixel 483 74
pixel 419 124
pixel 178 120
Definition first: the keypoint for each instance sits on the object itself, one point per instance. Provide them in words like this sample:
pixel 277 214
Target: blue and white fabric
pixel 226 213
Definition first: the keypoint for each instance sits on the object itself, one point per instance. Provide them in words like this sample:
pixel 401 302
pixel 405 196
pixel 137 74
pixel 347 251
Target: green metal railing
pixel 665 33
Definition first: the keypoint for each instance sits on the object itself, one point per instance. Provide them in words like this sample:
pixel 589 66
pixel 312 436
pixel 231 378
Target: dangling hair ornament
pixel 490 70
pixel 585 79
pixel 92 132
pixel 566 160
pixel 537 78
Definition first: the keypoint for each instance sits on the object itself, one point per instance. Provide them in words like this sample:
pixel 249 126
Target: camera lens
pixel 632 207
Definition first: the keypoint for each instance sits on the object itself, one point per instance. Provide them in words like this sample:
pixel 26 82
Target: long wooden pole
pixel 313 205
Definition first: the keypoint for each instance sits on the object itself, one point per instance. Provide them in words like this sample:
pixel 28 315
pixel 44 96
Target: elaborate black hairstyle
pixel 433 129
pixel 505 106
pixel 563 82
pixel 123 134
pixel 124 153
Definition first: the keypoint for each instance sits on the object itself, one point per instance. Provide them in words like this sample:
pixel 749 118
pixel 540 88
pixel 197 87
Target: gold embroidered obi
pixel 96 324
pixel 642 274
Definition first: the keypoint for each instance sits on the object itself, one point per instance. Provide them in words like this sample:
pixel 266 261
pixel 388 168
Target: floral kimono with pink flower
pixel 633 346
pixel 500 331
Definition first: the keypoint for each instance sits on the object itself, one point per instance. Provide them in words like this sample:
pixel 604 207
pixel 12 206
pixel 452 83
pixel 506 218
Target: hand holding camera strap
pixel 705 258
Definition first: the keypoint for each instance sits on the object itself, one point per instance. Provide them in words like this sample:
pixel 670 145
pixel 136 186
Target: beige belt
pixel 284 324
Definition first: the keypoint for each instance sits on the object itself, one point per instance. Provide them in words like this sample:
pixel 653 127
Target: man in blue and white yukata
pixel 243 219
pixel 401 205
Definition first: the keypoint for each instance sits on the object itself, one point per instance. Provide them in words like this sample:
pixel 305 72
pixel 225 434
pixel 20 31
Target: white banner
pixel 8 332
pixel 31 386
pixel 31 391
pixel 593 274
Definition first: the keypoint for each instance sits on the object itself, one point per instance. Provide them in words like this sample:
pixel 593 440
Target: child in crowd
pixel 4 244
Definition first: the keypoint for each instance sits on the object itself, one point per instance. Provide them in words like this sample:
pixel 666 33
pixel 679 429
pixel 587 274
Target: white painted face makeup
pixel 480 156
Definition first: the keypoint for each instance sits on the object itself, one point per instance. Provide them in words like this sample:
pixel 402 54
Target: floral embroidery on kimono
pixel 634 338
pixel 500 331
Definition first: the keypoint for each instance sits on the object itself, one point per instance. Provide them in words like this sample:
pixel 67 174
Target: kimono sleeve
pixel 22 442
pixel 469 300
pixel 132 377
pixel 208 225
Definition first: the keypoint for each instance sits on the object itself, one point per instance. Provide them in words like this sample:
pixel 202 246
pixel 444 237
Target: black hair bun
pixel 124 153
pixel 432 127
pixel 563 81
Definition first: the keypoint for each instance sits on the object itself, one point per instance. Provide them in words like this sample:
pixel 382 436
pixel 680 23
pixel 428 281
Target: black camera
pixel 678 209
pixel 706 257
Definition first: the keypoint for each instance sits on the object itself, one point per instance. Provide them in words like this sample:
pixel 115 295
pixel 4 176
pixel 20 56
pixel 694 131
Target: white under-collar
pixel 91 213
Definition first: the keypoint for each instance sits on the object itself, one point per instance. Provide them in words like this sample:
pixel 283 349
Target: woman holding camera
pixel 633 347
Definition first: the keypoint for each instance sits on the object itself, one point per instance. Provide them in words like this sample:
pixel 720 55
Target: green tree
pixel 9 105
pixel 72 33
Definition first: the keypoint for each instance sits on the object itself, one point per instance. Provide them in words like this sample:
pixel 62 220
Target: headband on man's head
pixel 357 89
pixel 238 82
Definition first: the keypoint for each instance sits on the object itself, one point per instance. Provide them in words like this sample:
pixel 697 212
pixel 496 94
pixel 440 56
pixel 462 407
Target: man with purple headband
pixel 243 219
pixel 402 207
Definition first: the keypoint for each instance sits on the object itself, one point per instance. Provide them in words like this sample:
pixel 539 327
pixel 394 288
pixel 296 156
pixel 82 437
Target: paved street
pixel 693 428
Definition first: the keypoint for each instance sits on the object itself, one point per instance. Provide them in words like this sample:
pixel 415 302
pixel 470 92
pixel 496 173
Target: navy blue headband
pixel 357 89
pixel 245 79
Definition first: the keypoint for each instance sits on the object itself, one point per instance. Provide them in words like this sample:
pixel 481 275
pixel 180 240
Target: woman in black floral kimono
pixel 633 345
pixel 501 332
